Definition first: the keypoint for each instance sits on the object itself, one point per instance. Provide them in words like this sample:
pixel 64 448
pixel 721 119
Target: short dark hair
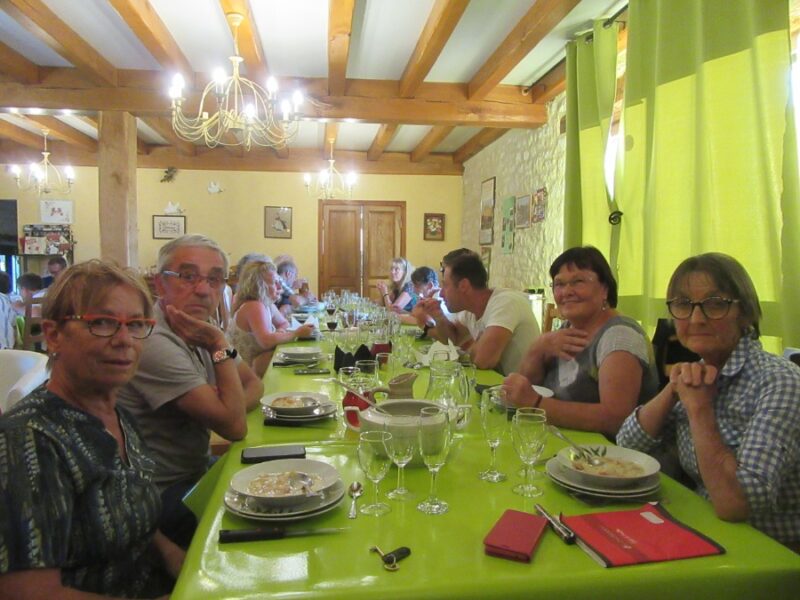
pixel 58 260
pixel 448 258
pixel 5 282
pixel 30 281
pixel 589 257
pixel 424 275
pixel 469 266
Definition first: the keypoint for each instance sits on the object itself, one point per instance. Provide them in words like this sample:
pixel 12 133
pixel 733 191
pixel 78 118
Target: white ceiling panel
pixel 309 135
pixel 17 37
pixel 294 36
pixel 22 122
pixel 110 35
pixel 356 136
pixel 79 124
pixel 148 134
pixel 481 29
pixel 377 50
pixel 407 138
pixel 457 138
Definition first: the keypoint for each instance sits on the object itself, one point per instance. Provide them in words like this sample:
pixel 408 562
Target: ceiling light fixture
pixel 246 113
pixel 44 177
pixel 330 183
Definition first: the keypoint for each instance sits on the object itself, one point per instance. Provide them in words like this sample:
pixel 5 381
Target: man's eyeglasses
pixel 108 326
pixel 577 283
pixel 713 308
pixel 193 279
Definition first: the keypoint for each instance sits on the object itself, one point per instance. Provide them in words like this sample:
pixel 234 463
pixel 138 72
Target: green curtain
pixel 710 156
pixel 591 82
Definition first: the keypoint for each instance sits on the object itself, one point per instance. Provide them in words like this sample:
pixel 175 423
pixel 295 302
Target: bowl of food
pixel 292 404
pixel 285 482
pixel 616 467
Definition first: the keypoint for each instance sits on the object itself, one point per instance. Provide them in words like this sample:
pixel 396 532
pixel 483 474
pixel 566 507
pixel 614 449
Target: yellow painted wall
pixel 235 217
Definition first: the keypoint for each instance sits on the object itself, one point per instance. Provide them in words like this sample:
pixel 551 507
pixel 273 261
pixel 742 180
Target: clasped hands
pixel 694 383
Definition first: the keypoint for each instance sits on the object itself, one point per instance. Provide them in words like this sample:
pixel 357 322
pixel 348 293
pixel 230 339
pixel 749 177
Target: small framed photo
pixel 277 222
pixel 167 227
pixel 433 229
pixel 522 212
pixel 55 211
pixel 486 232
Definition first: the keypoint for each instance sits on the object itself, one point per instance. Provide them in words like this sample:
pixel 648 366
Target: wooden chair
pixel 550 314
pixel 33 334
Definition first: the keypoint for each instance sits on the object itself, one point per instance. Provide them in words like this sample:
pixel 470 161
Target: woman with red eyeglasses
pixel 79 510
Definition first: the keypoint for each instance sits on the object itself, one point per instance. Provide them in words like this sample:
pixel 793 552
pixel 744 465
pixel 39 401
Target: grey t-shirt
pixel 577 379
pixel 168 369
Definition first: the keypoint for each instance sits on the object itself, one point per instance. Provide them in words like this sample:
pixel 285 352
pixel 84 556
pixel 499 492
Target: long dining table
pixel 447 553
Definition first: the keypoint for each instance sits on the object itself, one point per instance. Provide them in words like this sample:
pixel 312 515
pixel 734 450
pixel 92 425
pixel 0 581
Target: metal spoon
pixel 355 490
pixel 595 461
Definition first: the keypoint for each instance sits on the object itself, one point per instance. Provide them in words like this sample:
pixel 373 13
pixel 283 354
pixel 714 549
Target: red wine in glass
pixel 332 325
pixel 330 310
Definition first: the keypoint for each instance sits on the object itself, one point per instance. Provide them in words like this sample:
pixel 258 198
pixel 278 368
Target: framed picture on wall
pixel 277 222
pixel 539 210
pixel 433 227
pixel 486 232
pixel 55 211
pixel 522 212
pixel 167 227
pixel 507 238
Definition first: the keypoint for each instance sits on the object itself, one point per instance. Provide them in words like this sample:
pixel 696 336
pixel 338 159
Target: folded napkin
pixel 348 359
pixel 425 359
pixel 311 320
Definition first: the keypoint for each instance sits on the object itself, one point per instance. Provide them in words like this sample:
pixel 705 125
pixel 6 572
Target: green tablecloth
pixel 447 551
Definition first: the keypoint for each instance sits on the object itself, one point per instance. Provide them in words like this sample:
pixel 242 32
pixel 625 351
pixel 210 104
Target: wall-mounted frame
pixel 277 222
pixel 433 227
pixel 539 208
pixel 167 227
pixel 522 212
pixel 55 211
pixel 486 233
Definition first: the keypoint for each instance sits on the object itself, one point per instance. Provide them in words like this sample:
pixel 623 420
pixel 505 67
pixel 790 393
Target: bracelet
pixel 386 295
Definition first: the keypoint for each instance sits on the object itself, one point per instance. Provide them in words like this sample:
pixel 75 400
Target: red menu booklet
pixel 642 535
pixel 515 535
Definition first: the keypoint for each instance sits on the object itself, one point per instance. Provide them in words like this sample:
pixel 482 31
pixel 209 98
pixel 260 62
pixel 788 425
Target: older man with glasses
pixel 189 380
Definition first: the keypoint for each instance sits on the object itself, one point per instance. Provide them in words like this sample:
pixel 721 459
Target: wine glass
pixel 373 457
pixel 401 449
pixel 369 368
pixel 529 434
pixel 494 420
pixel 434 444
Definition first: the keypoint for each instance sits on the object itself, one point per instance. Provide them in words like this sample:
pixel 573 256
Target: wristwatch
pixel 223 355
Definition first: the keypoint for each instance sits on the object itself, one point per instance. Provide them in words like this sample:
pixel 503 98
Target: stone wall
pixel 522 161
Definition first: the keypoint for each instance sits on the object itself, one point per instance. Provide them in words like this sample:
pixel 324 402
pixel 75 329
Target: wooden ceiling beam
pixel 250 48
pixel 148 27
pixel 164 128
pixel 550 85
pixel 432 139
pixel 16 66
pixel 477 143
pixel 59 129
pixel 39 20
pixel 340 27
pixel 382 139
pixel 543 16
pixel 442 20
pixel 21 136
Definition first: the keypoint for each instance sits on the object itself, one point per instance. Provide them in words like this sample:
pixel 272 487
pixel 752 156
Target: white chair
pixel 20 373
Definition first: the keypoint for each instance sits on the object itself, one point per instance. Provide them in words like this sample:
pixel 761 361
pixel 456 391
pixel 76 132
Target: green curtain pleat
pixel 591 83
pixel 709 161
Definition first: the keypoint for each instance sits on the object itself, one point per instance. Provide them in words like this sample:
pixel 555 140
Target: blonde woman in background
pixel 398 294
pixel 257 326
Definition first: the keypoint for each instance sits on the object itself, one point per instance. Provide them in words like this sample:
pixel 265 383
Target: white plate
pixel 240 506
pixel 323 411
pixel 650 466
pixel 544 392
pixel 302 352
pixel 562 477
pixel 311 401
pixel 327 475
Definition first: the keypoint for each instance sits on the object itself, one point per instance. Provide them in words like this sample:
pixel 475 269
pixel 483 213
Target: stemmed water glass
pixel 494 420
pixel 434 443
pixel 401 450
pixel 373 457
pixel 529 434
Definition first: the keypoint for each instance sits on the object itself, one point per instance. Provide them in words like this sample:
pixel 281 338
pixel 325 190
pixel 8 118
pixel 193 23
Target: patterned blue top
pixel 409 289
pixel 70 502
pixel 757 408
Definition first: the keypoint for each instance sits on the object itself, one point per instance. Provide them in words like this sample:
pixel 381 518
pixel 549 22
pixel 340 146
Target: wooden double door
pixel 357 241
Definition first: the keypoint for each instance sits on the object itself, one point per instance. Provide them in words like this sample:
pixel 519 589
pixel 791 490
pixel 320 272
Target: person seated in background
pixel 8 316
pixel 599 364
pixel 190 379
pixel 55 266
pixel 426 285
pixel 253 331
pixel 28 285
pixel 398 295
pixel 248 258
pixel 294 291
pixel 79 510
pixel 735 413
pixel 496 326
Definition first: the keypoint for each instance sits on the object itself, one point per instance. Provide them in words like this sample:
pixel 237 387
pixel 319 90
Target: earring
pixel 605 305
pixel 54 356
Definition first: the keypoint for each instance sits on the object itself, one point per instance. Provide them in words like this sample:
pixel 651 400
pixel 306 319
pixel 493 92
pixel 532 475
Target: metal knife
pixel 227 536
pixel 565 533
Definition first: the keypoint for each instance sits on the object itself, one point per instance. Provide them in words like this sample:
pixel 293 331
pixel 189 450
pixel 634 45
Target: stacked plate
pixel 300 355
pixel 261 492
pixel 623 474
pixel 298 406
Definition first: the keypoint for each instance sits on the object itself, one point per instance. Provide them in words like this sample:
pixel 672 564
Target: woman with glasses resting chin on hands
pixel 735 414
pixel 599 365
pixel 79 510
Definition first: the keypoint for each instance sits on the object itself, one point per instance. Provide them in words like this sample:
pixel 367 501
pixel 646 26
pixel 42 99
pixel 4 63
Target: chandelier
pixel 246 113
pixel 330 183
pixel 44 177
